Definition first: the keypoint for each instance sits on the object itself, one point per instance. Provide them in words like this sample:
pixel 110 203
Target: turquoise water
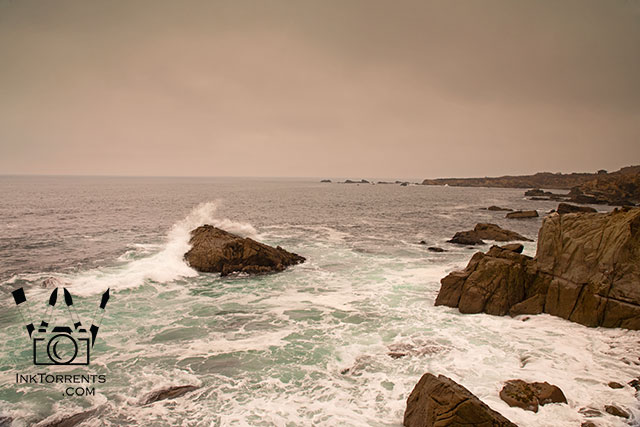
pixel 309 346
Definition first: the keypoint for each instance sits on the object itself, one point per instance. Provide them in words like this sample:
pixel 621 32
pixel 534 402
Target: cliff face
pixel 586 269
pixel 618 188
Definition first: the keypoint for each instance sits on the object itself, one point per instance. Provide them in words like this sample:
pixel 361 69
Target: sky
pixel 326 88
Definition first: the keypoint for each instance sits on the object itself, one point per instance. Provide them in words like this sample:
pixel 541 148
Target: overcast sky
pixel 320 88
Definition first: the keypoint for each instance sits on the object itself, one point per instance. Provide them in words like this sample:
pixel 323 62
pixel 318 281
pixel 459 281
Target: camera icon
pixel 62 346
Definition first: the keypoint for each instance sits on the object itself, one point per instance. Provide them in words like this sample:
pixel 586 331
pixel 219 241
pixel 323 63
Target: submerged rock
pixel 616 411
pixel 586 269
pixel 170 392
pixel 440 401
pixel 217 251
pixel 499 209
pixel 67 420
pixel 522 214
pixel 529 396
pixel 435 249
pixel 614 385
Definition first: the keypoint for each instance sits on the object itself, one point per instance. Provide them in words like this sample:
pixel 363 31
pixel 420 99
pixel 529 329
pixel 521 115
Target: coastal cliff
pixel 586 269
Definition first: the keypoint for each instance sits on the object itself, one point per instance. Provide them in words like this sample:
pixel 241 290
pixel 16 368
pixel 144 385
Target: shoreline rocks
pixel 586 270
pixel 565 208
pixel 440 401
pixel 217 251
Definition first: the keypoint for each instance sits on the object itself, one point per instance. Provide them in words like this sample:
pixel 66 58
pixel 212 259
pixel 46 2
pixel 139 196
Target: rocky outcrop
pixel 217 251
pixel 538 194
pixel 440 401
pixel 498 209
pixel 171 392
pixel 529 396
pixel 486 231
pixel 565 208
pixel 621 188
pixel 586 269
pixel 616 411
pixel 522 214
pixel 67 420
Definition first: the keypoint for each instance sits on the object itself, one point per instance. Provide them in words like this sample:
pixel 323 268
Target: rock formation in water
pixel 522 214
pixel 564 208
pixel 217 251
pixel 586 269
pixel 440 401
pixel 621 188
pixel 171 392
pixel 529 396
pixel 488 232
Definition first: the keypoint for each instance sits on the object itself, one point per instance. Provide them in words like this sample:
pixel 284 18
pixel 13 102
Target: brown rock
pixel 486 231
pixel 565 208
pixel 435 249
pixel 616 411
pixel 588 424
pixel 216 251
pixel 587 270
pixel 466 238
pixel 522 214
pixel 498 209
pixel 529 396
pixel 513 247
pixel 440 401
pixel 171 392
pixel 615 385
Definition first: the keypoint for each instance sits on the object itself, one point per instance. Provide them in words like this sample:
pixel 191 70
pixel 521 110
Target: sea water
pixel 308 346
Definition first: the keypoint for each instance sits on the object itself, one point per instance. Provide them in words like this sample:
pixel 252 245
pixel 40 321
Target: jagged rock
pixel 435 249
pixel 587 270
pixel 522 214
pixel 170 392
pixel 565 208
pixel 635 383
pixel 5 421
pixel 529 396
pixel 514 247
pixel 67 420
pixel 440 401
pixel 616 411
pixel 217 251
pixel 615 385
pixel 486 231
pixel 621 188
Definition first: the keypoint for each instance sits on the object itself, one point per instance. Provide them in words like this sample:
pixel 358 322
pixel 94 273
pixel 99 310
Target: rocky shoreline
pixel 586 270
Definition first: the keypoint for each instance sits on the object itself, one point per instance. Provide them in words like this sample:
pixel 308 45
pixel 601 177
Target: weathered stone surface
pixel 170 392
pixel 587 268
pixel 216 251
pixel 522 214
pixel 440 401
pixel 621 188
pixel 614 385
pixel 565 208
pixel 492 283
pixel 486 231
pixel 5 421
pixel 529 396
pixel 616 411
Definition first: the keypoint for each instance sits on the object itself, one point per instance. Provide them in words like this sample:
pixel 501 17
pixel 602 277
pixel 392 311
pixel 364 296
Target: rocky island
pixel 217 251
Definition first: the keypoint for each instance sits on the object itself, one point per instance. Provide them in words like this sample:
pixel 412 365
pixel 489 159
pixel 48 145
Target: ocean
pixel 308 346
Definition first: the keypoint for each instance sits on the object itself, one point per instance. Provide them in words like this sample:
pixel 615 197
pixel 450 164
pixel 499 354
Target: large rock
pixel 486 231
pixel 440 401
pixel 620 188
pixel 586 269
pixel 217 251
pixel 529 396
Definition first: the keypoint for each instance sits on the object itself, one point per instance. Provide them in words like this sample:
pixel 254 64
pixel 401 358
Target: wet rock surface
pixel 529 396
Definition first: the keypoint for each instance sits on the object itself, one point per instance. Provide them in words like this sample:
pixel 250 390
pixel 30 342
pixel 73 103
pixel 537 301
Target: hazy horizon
pixel 356 89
